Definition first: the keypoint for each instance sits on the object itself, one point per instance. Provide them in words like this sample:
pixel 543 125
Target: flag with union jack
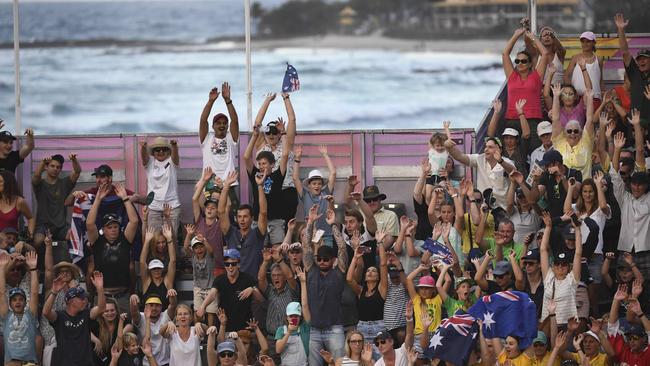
pixel 454 339
pixel 507 313
pixel 291 82
pixel 439 251
pixel 78 228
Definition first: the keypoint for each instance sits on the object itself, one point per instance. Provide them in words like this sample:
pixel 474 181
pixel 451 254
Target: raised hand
pixel 646 92
pixel 380 235
pixel 551 69
pixel 120 191
pixel 97 279
pixel 232 178
pixel 589 94
pixel 331 217
pixel 214 94
pixel 211 330
pixel 517 177
pixel 301 275
pixel 366 354
pixel 245 293
pixel 322 149
pixel 327 356
pixel 636 117
pixel 552 305
pixel 577 340
pixel 619 140
pixel 207 174
pixel 29 132
pixel 560 338
pixel 355 196
pixel 596 325
pixel 269 97
pixel 581 61
pixel 353 181
pixel 620 21
pixel 103 191
pixel 557 89
pixel 313 213
pixel 190 229
pixel 225 91
pixel 621 293
pixel 425 167
pixel 171 293
pixel 4 260
pixel 355 240
pixel 167 210
pixel 497 105
pixel 167 232
pixel 259 178
pixel 598 177
pixel 520 106
pixel 116 352
pixel 146 348
pixel 408 312
pixel 31 260
pixel 134 300
pixel 221 315
pixel 637 288
pixel 412 355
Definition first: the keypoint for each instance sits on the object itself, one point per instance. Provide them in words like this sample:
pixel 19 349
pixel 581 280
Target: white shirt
pixel 635 216
pixel 159 345
pixel 219 154
pixel 400 357
pixel 162 180
pixel 525 223
pixel 491 177
pixel 599 216
pixel 185 353
pixel 578 81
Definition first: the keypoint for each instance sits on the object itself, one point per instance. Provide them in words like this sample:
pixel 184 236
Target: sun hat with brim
pixel 315 174
pixel 226 346
pixel 372 192
pixel 156 263
pixel 426 281
pixel 76 272
pixel 159 142
pixel 541 338
pixel 588 35
pixel 294 308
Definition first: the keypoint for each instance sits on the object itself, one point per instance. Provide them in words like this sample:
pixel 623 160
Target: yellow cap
pixel 153 300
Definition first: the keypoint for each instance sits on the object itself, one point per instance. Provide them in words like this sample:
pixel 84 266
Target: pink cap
pixel 588 35
pixel 426 281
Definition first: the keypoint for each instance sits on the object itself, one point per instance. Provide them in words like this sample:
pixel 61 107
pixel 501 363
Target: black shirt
pixel 238 311
pixel 73 339
pixel 112 259
pixel 555 192
pixel 273 191
pixel 638 82
pixel 424 228
pixel 11 161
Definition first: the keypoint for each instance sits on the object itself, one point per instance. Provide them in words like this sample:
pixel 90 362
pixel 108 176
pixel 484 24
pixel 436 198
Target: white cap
pixel 156 263
pixel 195 241
pixel 544 127
pixel 588 35
pixel 314 174
pixel 510 132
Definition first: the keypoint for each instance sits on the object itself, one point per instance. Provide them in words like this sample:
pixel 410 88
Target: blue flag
pixel 507 313
pixel 439 251
pixel 291 82
pixel 454 339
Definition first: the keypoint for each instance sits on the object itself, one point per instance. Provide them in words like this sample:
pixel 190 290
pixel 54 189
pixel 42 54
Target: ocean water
pixel 162 83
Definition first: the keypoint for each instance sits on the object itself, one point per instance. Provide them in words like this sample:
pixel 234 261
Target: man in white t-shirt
pixel 384 342
pixel 219 146
pixel 156 318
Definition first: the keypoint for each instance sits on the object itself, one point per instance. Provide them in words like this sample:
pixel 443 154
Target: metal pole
pixel 17 67
pixel 532 15
pixel 249 81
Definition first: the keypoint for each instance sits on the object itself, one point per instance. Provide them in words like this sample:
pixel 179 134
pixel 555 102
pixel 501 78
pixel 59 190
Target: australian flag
pixel 507 313
pixel 438 251
pixel 291 82
pixel 454 339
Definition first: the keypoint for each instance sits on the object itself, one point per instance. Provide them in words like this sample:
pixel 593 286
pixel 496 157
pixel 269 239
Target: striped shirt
pixel 395 305
pixel 277 305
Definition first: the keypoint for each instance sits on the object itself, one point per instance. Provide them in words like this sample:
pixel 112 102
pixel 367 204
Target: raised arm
pixel 638 136
pixel 543 52
pixel 508 68
pixel 589 101
pixel 307 247
pixel 342 255
pixel 234 119
pixel 440 283
pixel 171 252
pixel 262 217
pixel 425 169
pixel 410 286
pixel 525 126
pixel 455 153
pixel 248 154
pixel 350 277
pixel 577 256
pixel 331 180
pixel 479 277
pixel 144 153
pixel 619 143
pixel 544 245
pixel 496 116
pixel 132 227
pixel 262 283
pixel 31 260
pixel 555 111
pixel 198 192
pixel 621 24
pixel 291 120
pixel 204 126
pixel 174 154
pixel 520 283
pixel 91 227
pixel 97 280
pixel 4 305
pixel 222 209
pixel 28 145
pixel 304 298
pixel 76 168
pixel 36 177
pixel 297 155
pixel 546 92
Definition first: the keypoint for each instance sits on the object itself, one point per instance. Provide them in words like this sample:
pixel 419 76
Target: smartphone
pixel 576 220
pixel 317 235
pixel 293 321
pixel 365 249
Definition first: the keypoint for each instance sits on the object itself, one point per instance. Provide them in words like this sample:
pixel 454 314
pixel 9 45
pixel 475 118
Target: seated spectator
pixel 462 297
pixel 162 180
pixel 448 226
pixel 511 353
pixel 502 244
pixel 386 220
pixel 574 142
pixel 533 283
pixel 403 356
pixel 292 339
pixel 356 352
pixel 125 350
pixel 544 131
pixel 630 344
pixel 200 253
pixel 106 331
pixel 184 339
pixel 315 190
pixel 503 276
pixel 50 193
pixel 156 246
pixel 112 249
pixel 150 322
pixel 359 229
pixel 10 158
pixel 13 205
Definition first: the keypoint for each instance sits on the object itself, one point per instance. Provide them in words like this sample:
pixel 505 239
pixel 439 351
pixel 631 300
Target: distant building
pixel 469 15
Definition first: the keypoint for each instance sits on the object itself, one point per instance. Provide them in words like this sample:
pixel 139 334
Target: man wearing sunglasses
pixel 553 182
pixel 533 284
pixel 385 220
pixel 630 344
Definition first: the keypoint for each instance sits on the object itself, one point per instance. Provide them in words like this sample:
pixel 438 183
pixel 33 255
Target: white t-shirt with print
pixel 219 154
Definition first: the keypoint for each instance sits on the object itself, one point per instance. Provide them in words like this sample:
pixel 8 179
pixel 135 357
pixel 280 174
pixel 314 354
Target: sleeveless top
pixel 558 77
pixel 529 89
pixel 370 307
pixel 9 219
pixel 185 353
pixel 158 290
pixel 578 81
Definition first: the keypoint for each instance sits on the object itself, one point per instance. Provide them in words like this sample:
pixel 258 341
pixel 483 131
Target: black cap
pixel 372 192
pixel 551 156
pixel 6 135
pixel 383 335
pixel 210 200
pixel 634 329
pixel 639 178
pixel 531 255
pixel 110 218
pixel 563 257
pixel 325 251
pixel 104 170
pixel 643 53
pixel 569 232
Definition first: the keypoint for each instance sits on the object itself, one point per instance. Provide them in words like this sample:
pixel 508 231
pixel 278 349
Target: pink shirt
pixel 529 89
pixel 577 113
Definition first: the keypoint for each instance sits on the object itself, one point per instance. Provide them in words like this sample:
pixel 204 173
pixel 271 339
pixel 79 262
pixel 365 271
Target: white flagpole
pixel 249 81
pixel 17 67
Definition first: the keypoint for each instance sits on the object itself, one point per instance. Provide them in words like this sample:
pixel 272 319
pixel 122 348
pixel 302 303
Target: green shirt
pixel 452 305
pixel 507 249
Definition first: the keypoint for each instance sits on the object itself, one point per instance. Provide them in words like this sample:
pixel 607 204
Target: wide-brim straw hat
pixel 159 142
pixel 76 272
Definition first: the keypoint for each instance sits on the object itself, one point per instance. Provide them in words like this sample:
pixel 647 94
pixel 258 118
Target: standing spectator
pixel 633 348
pixel 235 291
pixel 19 316
pixel 316 191
pixel 503 275
pixel 591 67
pixel 386 220
pixel 73 346
pixel 437 156
pixel 112 249
pixel 524 81
pixel 555 54
pixel 637 70
pixel 356 352
pixel 325 288
pixel 572 106
pixel 203 275
pixel 219 146
pixel 50 194
pixel 406 248
pixel 462 298
pixel 106 331
pixel 292 338
pixel 184 339
pixel 155 277
pixel 425 300
pixel 149 324
pixel 162 180
pixel 448 226
pixel 248 240
pixel 13 205
pixel 533 282
pixel 207 220
pixel 9 158
pixel 502 244
pixel 515 144
pixel 396 298
pixel 360 226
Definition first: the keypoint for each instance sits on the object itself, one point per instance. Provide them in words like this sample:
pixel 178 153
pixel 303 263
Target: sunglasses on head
pixel 572 131
pixel 521 61
pixel 230 264
pixel 322 259
pixel 227 354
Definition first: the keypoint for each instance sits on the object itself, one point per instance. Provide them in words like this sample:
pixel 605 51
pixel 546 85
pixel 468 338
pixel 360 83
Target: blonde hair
pixel 347 341
pixel 129 338
pixel 437 138
pixel 105 334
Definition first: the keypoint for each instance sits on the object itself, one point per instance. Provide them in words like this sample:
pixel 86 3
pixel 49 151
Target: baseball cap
pixel 544 127
pixel 634 329
pixel 588 35
pixel 562 257
pixel 6 135
pixel 510 132
pixel 16 291
pixel 110 218
pixel 531 255
pixel 75 292
pixel 231 253
pixel 569 232
pixel 426 281
pixel 226 346
pixel 551 156
pixel 460 280
pixel 383 335
pixel 294 308
pixel 501 268
pixel 541 338
pixel 156 263
pixel 643 53
pixel 210 200
pixel 153 300
pixel 195 241
pixel 592 334
pixel 103 170
pixel 325 251
pixel 218 116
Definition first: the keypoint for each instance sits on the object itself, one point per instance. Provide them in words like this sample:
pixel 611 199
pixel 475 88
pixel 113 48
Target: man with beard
pixel 150 321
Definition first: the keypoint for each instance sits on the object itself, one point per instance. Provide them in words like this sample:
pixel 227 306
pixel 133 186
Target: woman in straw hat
pixel 162 180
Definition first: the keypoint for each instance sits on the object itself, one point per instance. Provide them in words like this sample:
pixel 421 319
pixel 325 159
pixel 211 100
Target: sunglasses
pixel 499 276
pixel 227 354
pixel 633 337
pixel 381 341
pixel 160 149
pixel 561 264
pixel 529 263
pixel 322 259
pixel 368 200
pixel 522 61
pixel 572 131
pixel 356 341
pixel 231 264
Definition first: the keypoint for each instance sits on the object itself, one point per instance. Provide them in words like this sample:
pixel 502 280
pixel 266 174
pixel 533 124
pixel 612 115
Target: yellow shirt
pixel 521 360
pixel 544 360
pixel 433 307
pixel 489 231
pixel 579 156
pixel 599 360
